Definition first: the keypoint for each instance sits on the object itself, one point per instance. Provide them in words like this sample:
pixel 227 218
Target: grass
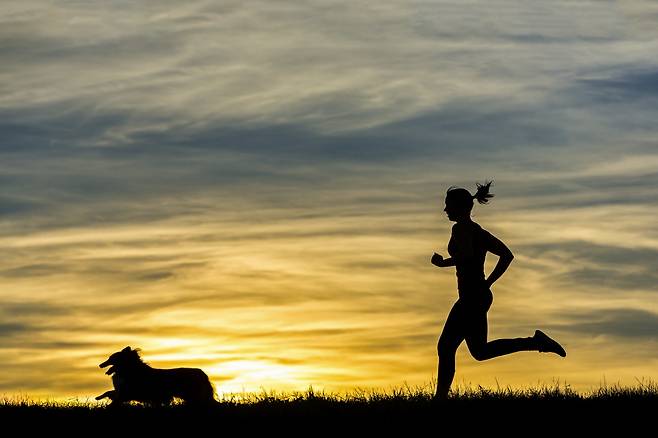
pixel 406 407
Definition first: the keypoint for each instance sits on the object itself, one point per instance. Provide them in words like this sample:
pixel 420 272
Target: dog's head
pixel 120 359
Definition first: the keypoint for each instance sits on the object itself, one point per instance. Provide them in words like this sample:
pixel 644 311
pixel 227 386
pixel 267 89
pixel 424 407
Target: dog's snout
pixel 104 364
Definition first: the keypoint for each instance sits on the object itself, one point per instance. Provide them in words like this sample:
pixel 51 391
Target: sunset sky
pixel 255 188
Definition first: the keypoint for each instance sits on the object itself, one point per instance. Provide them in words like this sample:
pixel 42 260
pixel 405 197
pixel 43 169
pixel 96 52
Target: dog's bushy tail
pixel 213 393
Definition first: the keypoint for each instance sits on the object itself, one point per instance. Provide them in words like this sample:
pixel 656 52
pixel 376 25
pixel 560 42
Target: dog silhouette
pixel 135 380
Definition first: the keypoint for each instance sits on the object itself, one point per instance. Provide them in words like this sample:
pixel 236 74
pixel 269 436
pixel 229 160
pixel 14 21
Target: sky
pixel 256 188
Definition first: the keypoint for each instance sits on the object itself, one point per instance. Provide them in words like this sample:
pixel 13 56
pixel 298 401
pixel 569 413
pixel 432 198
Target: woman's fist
pixel 437 260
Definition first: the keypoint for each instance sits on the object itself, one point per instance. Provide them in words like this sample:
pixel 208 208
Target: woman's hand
pixel 437 260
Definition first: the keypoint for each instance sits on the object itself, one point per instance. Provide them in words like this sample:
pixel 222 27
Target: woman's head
pixel 459 201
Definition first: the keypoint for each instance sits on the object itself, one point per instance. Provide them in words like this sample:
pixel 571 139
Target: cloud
pixel 10 329
pixel 349 67
pixel 31 270
pixel 627 85
pixel 589 252
pixel 634 324
pixel 597 266
pixel 609 279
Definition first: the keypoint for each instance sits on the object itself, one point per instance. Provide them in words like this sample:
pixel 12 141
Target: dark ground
pixel 620 412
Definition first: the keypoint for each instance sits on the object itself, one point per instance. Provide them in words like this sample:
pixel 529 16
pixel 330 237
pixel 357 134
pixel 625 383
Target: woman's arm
pixel 497 247
pixel 438 260
pixel 501 267
pixel 463 241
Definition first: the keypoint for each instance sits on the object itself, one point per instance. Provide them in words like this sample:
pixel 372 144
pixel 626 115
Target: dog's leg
pixel 107 394
pixel 114 396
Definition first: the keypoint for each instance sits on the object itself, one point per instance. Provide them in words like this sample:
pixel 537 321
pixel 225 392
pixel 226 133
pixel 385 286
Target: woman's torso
pixel 470 270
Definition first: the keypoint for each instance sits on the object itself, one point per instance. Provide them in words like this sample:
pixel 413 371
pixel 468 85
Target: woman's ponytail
pixel 482 195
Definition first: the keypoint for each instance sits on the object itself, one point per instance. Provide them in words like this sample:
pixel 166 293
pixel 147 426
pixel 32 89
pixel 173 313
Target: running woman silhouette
pixel 467 319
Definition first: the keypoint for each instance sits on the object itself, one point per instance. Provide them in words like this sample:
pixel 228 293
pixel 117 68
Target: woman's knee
pixel 479 355
pixel 446 348
pixel 479 352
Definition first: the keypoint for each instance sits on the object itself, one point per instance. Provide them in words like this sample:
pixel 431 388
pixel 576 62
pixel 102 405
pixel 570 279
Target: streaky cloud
pixel 620 322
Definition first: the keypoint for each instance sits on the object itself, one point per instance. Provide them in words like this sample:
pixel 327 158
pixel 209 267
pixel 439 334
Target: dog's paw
pixel 107 394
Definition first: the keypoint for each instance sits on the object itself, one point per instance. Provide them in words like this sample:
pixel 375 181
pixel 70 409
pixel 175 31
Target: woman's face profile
pixel 453 211
pixel 450 211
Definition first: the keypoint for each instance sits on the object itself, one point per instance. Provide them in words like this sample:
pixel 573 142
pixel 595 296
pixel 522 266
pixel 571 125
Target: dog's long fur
pixel 135 380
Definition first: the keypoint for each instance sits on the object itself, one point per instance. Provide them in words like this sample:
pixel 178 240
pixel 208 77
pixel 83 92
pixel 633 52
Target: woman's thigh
pixel 477 329
pixel 454 329
pixel 475 306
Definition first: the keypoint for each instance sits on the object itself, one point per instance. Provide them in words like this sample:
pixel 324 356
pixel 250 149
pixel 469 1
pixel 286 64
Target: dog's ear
pixel 125 350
